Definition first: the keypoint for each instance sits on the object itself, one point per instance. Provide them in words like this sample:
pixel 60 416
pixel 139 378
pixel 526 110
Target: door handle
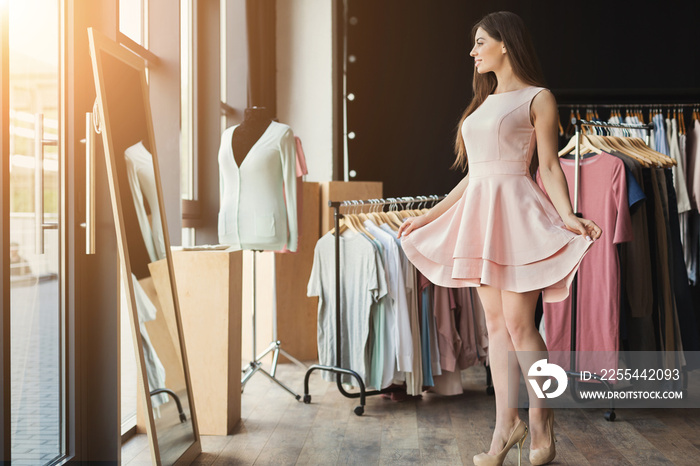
pixel 89 185
pixel 39 143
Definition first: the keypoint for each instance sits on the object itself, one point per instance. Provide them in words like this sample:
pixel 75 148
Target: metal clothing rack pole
pixel 571 373
pixel 337 369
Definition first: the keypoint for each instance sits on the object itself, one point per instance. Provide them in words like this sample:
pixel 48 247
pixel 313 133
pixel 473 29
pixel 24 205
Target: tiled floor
pixel 276 430
pixel 35 372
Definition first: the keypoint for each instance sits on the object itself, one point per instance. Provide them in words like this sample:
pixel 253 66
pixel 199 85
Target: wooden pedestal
pixel 209 292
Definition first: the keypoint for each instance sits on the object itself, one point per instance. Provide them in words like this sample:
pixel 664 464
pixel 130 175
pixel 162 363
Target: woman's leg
pixel 499 345
pixel 519 314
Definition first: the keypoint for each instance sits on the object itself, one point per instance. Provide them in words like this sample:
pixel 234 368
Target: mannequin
pixel 255 122
pixel 258 208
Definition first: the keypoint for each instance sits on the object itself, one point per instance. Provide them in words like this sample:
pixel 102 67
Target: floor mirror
pixel 148 281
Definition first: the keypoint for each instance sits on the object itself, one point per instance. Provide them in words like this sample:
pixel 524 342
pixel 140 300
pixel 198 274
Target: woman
pixel 499 231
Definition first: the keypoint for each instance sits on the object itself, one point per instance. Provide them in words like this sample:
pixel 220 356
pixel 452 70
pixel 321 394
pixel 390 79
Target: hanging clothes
pixel 362 283
pixel 390 330
pixel 604 200
pixel 449 340
pixel 405 285
pixel 660 140
pixel 377 352
pixel 679 182
pixel 693 178
pixel 400 353
pixel 694 164
pixel 686 329
pixel 637 297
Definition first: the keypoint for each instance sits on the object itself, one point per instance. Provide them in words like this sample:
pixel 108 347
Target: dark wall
pixel 412 74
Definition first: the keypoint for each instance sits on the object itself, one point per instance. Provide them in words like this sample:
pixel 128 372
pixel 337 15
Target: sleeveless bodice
pixel 498 136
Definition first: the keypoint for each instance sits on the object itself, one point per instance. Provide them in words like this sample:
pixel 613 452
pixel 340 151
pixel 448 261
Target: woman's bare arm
pixel 545 117
pixel 440 208
pixel 444 205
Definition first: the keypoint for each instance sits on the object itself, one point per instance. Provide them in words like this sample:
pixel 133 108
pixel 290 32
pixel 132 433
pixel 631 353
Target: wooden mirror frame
pixel 101 44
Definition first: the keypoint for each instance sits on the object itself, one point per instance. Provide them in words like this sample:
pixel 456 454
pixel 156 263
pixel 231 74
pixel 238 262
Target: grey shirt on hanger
pixel 362 282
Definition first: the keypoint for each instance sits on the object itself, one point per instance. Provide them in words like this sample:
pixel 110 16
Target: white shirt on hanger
pixel 678 170
pixel 259 198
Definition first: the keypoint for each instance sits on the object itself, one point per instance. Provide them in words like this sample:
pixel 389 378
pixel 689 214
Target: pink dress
pixel 503 231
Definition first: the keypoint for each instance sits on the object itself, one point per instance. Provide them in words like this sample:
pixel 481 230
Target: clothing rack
pixel 337 369
pixel 571 373
pixel 664 105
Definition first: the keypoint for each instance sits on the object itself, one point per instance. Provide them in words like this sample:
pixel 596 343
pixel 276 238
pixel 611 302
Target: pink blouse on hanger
pixel 301 171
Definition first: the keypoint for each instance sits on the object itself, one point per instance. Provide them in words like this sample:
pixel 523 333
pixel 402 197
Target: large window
pixel 133 20
pixel 37 332
pixel 187 111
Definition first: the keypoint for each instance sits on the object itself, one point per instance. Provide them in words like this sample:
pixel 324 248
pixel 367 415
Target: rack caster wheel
pixel 359 410
pixel 490 391
pixel 307 399
pixel 610 416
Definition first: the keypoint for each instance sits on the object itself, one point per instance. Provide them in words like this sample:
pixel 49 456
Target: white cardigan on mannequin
pixel 259 198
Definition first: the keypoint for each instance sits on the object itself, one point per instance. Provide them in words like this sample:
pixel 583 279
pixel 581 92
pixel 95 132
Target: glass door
pixel 37 418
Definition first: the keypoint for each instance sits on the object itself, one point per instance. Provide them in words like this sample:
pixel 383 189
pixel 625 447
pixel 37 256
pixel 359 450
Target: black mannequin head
pixel 256 120
pixel 254 114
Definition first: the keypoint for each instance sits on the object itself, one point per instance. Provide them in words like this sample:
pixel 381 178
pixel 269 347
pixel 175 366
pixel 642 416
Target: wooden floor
pixel 276 429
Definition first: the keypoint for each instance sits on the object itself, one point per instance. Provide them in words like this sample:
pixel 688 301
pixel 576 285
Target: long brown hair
pixel 510 29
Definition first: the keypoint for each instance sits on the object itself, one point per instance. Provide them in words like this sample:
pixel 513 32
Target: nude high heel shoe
pixel 516 437
pixel 545 455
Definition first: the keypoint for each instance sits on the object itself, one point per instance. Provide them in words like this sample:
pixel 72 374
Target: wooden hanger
pixel 357 222
pixel 362 216
pixel 353 223
pixel 380 217
pixel 394 218
pixel 623 146
pixel 342 226
pixel 600 142
pixel 586 146
pixel 419 210
pixel 561 128
pixel 636 146
pixel 390 220
pixel 662 159
pixel 358 219
pixel 569 126
pixel 681 121
pixel 374 215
